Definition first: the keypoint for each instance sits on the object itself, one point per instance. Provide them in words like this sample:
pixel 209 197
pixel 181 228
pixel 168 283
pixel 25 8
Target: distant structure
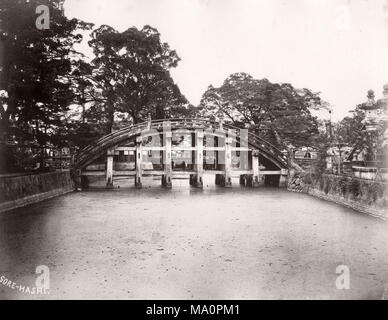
pixel 374 111
pixel 369 157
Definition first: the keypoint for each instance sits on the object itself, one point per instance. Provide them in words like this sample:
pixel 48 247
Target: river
pixel 187 243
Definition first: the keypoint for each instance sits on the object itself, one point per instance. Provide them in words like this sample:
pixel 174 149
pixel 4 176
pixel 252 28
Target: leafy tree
pixel 277 112
pixel 83 122
pixel 350 129
pixel 83 86
pixel 34 69
pixel 132 72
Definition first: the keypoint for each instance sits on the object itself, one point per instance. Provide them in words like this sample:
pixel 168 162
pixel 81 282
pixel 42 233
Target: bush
pixel 343 185
pixel 376 190
pixel 355 187
pixel 308 179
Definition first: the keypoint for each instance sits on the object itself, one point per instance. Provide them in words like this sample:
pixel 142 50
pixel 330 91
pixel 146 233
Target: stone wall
pixel 18 191
pixel 363 195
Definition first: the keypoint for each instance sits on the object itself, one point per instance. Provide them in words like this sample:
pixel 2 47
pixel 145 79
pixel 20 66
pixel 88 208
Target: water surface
pixel 186 243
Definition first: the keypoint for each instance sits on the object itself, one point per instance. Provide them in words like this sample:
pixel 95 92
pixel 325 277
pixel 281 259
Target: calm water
pixel 186 243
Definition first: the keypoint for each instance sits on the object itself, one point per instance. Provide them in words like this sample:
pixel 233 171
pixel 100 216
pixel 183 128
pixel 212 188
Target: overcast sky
pixel 336 47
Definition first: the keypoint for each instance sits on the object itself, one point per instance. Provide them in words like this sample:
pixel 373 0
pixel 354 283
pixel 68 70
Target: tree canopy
pixel 53 96
pixel 131 69
pixel 35 64
pixel 44 81
pixel 277 112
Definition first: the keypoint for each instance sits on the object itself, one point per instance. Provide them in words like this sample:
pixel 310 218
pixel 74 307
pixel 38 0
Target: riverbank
pixel 365 196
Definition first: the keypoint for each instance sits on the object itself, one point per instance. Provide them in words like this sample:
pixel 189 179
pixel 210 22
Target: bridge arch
pixel 262 160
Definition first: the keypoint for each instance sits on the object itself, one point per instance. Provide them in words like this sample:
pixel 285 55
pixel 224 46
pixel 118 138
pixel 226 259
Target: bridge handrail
pixel 144 124
pixel 154 123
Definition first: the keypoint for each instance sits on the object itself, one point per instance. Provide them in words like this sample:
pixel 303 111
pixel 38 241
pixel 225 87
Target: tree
pixel 352 132
pixel 83 122
pixel 350 129
pixel 279 113
pixel 132 71
pixel 34 69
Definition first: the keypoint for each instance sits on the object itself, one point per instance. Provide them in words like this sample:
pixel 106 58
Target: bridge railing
pixel 175 123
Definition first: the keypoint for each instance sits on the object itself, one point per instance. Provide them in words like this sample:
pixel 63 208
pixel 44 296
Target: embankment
pixel 367 196
pixel 19 191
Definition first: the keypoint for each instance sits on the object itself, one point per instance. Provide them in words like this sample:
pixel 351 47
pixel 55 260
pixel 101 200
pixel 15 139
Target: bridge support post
pixel 283 178
pixel 109 168
pixel 84 182
pixel 226 180
pixel 254 179
pixel 243 179
pixel 219 179
pixel 138 163
pixel 77 177
pixel 196 180
pixel 167 177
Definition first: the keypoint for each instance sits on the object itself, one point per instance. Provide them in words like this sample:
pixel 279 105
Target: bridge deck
pixel 161 172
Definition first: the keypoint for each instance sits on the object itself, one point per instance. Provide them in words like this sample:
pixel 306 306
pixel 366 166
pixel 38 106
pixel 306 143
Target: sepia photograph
pixel 203 151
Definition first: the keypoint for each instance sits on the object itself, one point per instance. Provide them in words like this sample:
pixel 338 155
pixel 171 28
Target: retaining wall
pixel 18 191
pixel 367 196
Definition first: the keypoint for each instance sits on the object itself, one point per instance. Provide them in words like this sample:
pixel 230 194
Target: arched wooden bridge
pixel 172 147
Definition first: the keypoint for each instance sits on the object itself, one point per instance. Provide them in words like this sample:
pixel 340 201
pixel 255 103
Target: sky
pixel 336 47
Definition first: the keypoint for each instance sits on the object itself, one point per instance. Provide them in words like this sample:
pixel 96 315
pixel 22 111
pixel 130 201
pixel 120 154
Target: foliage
pixel 376 190
pixel 277 112
pixel 51 96
pixel 355 187
pixel 132 72
pixel 350 129
pixel 34 69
